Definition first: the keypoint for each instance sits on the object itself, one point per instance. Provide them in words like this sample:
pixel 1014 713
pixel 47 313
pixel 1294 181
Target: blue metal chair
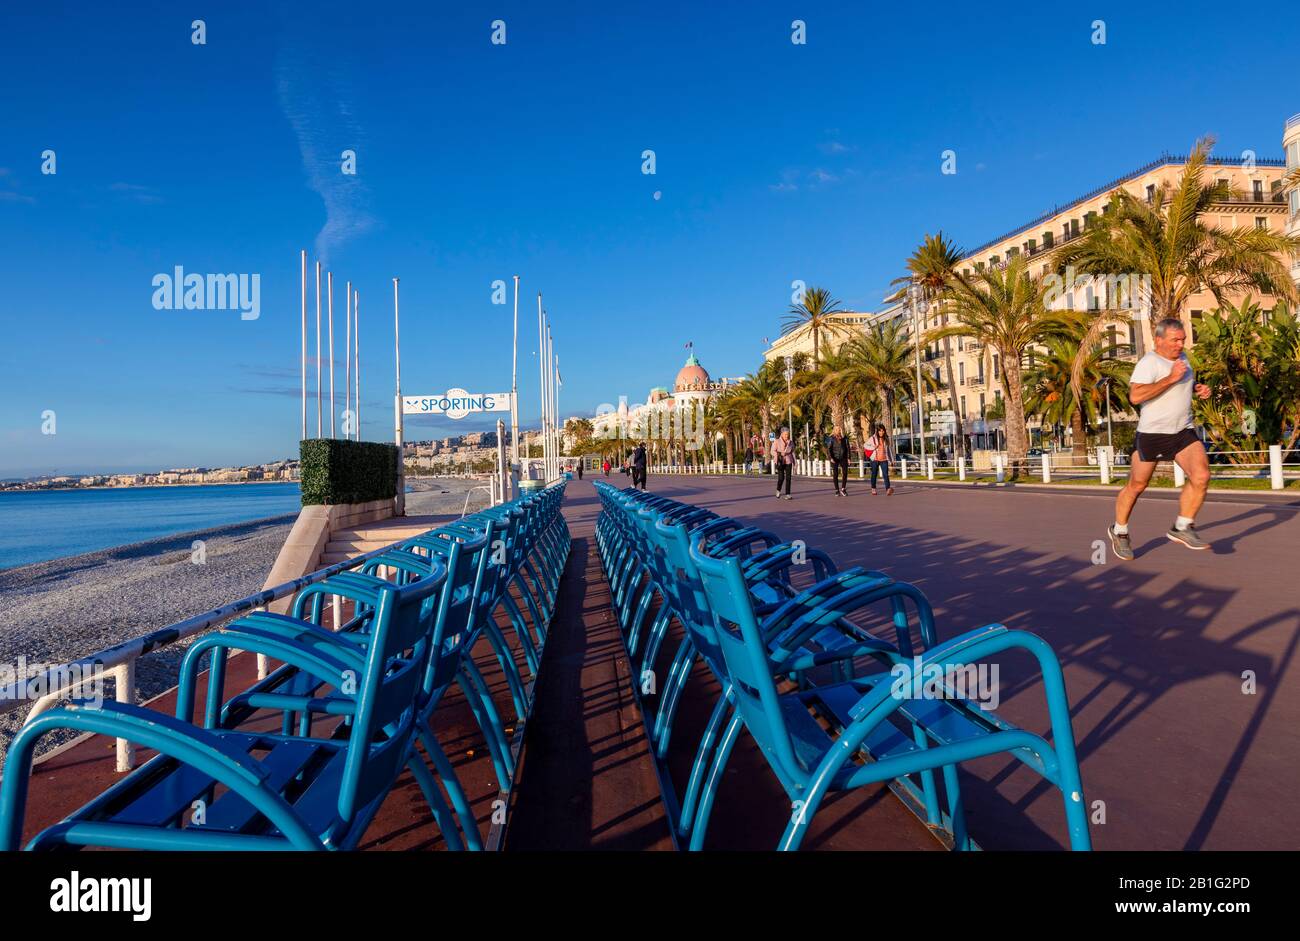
pixel 897 736
pixel 299 792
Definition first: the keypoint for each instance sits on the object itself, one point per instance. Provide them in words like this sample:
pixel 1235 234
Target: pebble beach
pixel 64 609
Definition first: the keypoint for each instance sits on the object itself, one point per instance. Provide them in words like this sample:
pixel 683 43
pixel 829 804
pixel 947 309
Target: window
pixel 1032 246
pixel 1222 181
pixel 1065 231
pixel 982 406
pixel 995 365
pixel 1151 193
pixel 979 266
pixel 1112 340
pixel 1074 227
pixel 1012 252
pixel 1259 191
pixel 1261 222
pixel 993 262
pixel 961 374
pixel 1089 219
pixel 1047 239
pixel 1132 337
pixel 963 406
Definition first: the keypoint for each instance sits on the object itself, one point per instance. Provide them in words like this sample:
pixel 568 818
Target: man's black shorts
pixel 1163 447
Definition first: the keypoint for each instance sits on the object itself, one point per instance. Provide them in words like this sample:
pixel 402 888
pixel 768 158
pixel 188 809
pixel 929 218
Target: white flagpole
pixel 400 502
pixel 319 425
pixel 330 279
pixel 541 373
pixel 550 398
pixel 514 382
pixel 304 343
pixel 546 378
pixel 356 351
pixel 347 360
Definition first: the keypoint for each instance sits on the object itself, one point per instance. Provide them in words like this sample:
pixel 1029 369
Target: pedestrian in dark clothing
pixel 638 466
pixel 837 449
pixel 580 470
pixel 749 458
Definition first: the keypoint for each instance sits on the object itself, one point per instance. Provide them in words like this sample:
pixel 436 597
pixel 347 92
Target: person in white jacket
pixel 879 451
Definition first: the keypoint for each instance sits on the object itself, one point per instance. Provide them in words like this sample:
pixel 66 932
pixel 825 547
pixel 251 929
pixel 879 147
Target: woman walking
pixel 837 449
pixel 783 457
pixel 879 451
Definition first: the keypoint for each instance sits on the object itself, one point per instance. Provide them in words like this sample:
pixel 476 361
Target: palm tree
pixel 1052 395
pixel 817 312
pixel 880 359
pixel 1169 240
pixel 933 268
pixel 1004 309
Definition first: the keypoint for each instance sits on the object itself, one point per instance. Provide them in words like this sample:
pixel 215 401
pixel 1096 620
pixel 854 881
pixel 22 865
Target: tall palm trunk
pixel 1014 418
pixel 1079 441
pixel 959 433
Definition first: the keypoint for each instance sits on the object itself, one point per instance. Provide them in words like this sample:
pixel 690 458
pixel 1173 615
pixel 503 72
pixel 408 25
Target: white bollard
pixel 1047 468
pixel 124 692
pixel 961 468
pixel 1000 468
pixel 1275 466
pixel 1179 477
pixel 1103 465
pixel 862 468
pixel 929 468
pixel 902 467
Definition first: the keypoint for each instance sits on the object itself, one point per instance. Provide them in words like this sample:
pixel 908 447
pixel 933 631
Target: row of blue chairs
pixel 791 641
pixel 354 703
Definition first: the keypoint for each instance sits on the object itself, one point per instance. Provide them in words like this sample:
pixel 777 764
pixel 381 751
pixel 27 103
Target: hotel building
pixel 1258 201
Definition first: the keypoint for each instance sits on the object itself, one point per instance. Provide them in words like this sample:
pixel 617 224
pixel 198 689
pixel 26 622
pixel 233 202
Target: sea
pixel 36 525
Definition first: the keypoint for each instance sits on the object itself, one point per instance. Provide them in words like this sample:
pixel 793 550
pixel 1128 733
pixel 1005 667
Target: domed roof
pixel 692 377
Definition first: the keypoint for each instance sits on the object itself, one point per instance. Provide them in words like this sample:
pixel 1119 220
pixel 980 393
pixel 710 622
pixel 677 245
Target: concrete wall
pixel 302 550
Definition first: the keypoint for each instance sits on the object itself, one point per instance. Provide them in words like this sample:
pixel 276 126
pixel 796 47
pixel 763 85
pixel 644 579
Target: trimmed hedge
pixel 338 471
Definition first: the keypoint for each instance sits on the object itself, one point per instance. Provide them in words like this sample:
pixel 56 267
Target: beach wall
pixel 306 542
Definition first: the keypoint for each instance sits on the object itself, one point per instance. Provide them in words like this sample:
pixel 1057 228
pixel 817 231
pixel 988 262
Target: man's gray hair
pixel 1168 323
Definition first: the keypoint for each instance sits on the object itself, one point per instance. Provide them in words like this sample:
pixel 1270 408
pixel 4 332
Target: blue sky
pixel 476 162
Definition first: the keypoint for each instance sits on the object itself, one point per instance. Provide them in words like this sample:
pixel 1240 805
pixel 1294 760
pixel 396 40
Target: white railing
pixel 120 659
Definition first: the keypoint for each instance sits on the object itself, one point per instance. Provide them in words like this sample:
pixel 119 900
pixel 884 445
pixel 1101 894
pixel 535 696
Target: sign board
pixel 456 403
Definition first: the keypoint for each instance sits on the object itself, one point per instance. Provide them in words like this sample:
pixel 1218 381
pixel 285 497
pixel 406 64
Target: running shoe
pixel 1188 537
pixel 1121 544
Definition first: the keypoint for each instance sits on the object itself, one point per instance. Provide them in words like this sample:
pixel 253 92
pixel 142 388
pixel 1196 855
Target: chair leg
pixel 459 801
pixel 701 763
pixel 715 780
pixel 437 806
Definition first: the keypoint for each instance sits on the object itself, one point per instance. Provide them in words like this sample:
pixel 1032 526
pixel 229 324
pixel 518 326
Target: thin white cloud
pixel 315 102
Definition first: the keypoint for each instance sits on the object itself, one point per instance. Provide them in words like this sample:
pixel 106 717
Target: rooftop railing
pixel 1161 161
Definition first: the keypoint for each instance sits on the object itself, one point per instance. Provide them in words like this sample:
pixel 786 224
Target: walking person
pixel 783 457
pixel 749 458
pixel 638 466
pixel 879 450
pixel 837 449
pixel 605 467
pixel 1162 386
pixel 580 463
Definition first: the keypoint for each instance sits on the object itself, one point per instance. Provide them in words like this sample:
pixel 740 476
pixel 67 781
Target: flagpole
pixel 400 502
pixel 347 361
pixel 331 309
pixel 304 343
pixel 514 382
pixel 356 351
pixel 541 373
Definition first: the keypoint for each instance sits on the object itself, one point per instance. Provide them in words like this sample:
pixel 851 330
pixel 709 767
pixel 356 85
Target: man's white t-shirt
pixel 1170 411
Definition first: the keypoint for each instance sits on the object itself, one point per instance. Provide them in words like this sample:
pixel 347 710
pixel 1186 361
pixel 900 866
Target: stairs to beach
pixel 347 543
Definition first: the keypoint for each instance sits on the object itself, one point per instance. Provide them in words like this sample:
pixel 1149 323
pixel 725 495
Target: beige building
pixel 1291 142
pixel 799 340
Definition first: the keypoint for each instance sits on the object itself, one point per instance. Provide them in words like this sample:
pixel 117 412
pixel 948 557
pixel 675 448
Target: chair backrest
pixel 745 655
pixel 397 659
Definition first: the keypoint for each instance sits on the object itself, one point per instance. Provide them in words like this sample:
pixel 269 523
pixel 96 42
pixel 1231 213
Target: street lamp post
pixel 918 307
pixel 1109 445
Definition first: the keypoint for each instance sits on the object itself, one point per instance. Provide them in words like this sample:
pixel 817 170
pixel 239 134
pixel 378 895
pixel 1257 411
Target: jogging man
pixel 1162 385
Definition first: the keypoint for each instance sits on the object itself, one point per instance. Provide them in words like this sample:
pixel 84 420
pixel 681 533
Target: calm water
pixel 39 525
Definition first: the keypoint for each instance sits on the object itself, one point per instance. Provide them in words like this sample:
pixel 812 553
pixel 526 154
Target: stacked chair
pixel 781 630
pixel 354 703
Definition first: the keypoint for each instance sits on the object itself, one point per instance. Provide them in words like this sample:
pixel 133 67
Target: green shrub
pixel 336 471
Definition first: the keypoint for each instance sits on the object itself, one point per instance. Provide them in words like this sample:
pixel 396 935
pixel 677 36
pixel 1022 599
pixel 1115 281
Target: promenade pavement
pixel 1158 653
